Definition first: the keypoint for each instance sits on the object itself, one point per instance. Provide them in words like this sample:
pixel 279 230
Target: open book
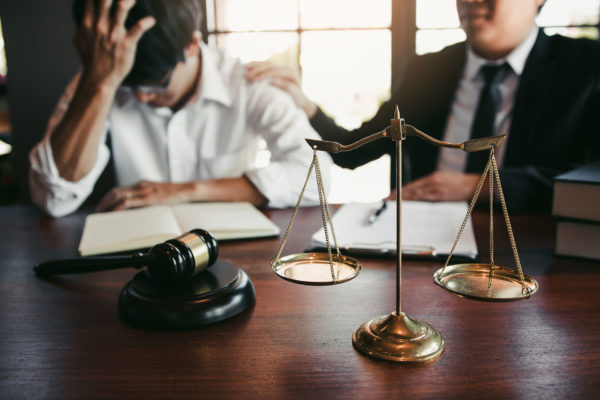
pixel 428 229
pixel 117 231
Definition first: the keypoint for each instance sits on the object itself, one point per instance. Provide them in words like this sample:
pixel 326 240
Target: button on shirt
pixel 459 123
pixel 216 135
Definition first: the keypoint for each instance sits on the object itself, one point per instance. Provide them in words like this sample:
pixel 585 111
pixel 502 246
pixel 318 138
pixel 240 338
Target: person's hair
pixel 162 47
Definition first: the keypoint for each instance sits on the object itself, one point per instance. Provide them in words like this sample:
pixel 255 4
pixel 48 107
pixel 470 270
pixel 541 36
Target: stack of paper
pixel 428 228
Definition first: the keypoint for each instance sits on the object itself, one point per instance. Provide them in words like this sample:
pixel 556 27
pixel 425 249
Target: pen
pixel 377 213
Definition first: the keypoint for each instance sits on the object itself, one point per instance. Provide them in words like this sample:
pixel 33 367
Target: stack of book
pixel 577 207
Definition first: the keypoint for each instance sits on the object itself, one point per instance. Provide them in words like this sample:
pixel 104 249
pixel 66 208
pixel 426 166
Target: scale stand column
pixel 397 337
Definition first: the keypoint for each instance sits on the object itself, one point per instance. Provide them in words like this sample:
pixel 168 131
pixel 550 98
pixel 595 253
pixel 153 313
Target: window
pixel 571 18
pixel 343 47
pixel 5 148
pixel 2 56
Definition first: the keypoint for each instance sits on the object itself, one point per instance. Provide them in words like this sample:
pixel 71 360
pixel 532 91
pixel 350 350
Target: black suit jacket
pixel 555 119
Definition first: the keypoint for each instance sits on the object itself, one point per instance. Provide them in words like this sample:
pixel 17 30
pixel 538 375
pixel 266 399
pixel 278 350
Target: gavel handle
pixel 89 264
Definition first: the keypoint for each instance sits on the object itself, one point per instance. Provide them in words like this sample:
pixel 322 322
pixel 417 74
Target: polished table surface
pixel 62 338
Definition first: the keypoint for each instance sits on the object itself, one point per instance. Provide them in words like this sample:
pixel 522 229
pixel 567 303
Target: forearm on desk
pixel 225 189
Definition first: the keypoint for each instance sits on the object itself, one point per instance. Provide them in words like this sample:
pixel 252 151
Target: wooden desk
pixel 62 339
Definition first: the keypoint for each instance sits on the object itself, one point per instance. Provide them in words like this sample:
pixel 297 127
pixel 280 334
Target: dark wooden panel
pixel 40 61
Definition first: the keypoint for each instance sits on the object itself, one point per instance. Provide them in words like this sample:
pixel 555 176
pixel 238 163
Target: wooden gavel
pixel 174 261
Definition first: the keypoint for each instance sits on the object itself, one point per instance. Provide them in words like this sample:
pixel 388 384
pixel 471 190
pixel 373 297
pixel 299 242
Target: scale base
pixel 398 338
pixel 218 293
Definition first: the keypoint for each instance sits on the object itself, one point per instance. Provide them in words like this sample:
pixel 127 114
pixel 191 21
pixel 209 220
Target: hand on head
pixel 285 78
pixel 143 194
pixel 106 48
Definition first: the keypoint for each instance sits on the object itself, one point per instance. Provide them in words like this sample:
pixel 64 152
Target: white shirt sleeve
pixel 284 128
pixel 53 194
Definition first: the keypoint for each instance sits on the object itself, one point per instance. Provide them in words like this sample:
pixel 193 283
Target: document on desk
pixel 428 229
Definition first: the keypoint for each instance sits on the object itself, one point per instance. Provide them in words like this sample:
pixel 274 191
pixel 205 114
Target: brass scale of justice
pixel 398 337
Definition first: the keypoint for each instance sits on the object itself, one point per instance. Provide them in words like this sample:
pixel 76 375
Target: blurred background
pixel 346 51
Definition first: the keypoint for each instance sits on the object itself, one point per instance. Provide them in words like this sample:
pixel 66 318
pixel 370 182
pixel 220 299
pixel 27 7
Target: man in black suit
pixel 547 101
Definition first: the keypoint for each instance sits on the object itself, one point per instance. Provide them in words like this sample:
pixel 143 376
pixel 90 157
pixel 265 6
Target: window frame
pixel 209 28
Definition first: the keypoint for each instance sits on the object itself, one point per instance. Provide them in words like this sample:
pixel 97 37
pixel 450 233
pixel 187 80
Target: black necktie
pixel 485 115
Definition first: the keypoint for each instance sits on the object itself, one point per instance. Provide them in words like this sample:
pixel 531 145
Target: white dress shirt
pixel 458 127
pixel 216 135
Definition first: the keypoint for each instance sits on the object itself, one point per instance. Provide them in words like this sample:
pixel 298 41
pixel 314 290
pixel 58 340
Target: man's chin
pixel 478 31
pixel 475 24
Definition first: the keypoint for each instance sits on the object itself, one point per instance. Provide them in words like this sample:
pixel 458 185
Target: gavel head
pixel 178 260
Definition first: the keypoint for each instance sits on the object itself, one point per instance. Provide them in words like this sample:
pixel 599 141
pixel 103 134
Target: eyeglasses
pixel 153 88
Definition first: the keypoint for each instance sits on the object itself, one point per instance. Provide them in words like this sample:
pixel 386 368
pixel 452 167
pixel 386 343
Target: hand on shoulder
pixel 283 77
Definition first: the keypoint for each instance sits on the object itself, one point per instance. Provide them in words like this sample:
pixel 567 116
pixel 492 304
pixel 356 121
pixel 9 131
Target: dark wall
pixel 41 61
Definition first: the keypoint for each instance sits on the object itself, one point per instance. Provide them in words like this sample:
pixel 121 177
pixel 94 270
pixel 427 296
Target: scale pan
pixel 314 268
pixel 472 281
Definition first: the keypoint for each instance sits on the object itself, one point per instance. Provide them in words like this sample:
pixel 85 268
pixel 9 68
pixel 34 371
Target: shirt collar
pixel 211 86
pixel 516 58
